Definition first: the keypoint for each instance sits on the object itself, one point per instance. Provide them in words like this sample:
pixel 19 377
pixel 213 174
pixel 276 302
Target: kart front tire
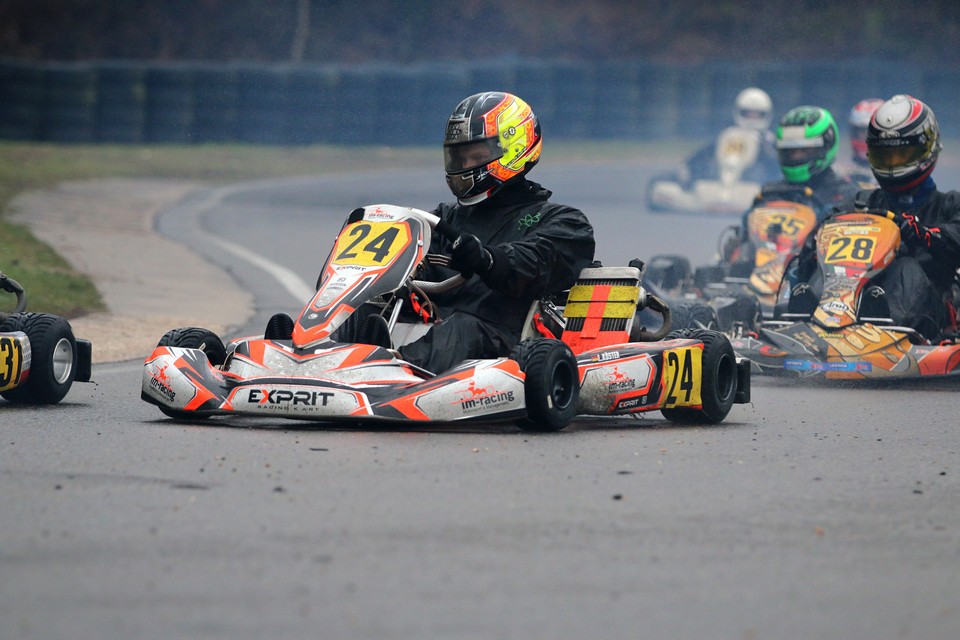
pixel 54 358
pixel 551 386
pixel 694 315
pixel 667 271
pixel 193 338
pixel 718 387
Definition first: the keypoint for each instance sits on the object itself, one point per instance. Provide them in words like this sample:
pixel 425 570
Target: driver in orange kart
pixel 903 144
pixel 515 245
pixel 808 141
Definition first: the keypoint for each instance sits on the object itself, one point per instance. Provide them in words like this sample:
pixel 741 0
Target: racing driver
pixel 515 245
pixel 808 140
pixel 903 144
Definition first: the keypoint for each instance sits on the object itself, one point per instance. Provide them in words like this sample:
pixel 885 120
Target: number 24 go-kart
pixel 40 358
pixel 849 334
pixel 297 369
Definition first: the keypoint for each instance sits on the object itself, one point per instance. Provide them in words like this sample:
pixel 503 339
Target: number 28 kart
pixel 849 333
pixel 604 363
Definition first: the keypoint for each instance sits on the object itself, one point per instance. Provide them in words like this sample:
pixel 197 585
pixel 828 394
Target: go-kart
pixel 578 358
pixel 722 187
pixel 849 334
pixel 741 287
pixel 40 358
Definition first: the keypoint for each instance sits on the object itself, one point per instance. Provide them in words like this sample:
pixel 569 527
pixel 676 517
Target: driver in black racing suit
pixel 903 144
pixel 515 245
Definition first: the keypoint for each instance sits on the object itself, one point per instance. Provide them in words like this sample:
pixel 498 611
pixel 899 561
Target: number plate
pixel 371 244
pixel 682 375
pixel 11 362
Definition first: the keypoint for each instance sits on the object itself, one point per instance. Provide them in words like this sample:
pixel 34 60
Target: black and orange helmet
pixel 491 138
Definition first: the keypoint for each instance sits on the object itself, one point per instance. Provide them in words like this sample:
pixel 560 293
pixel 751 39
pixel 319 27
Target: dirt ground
pixel 150 284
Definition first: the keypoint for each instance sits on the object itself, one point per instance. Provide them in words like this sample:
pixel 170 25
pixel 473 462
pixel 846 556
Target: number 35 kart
pixel 849 334
pixel 306 369
pixel 40 358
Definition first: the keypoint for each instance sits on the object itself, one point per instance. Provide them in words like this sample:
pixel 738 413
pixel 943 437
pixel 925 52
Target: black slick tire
pixel 694 315
pixel 718 387
pixel 552 384
pixel 194 338
pixel 54 358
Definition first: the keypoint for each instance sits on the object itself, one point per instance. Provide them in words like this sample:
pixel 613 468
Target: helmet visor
pixel 458 158
pixel 893 158
pixel 753 114
pixel 799 156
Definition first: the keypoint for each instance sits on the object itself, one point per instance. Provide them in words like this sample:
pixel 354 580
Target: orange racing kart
pixel 304 369
pixel 849 334
pixel 742 287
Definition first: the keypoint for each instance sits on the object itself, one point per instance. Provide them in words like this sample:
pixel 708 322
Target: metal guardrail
pixel 191 103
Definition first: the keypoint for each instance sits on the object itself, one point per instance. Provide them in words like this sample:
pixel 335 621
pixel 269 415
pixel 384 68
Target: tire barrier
pixel 21 101
pixel 69 111
pixel 170 105
pixel 216 104
pixel 136 102
pixel 121 103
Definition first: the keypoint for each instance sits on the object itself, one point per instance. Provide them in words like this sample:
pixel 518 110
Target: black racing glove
pixel 469 256
pixel 913 232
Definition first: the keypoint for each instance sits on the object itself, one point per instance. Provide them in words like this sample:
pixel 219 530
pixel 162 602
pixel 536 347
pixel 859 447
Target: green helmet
pixel 807 142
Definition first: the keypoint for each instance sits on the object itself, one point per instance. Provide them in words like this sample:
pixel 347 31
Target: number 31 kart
pixel 40 358
pixel 589 356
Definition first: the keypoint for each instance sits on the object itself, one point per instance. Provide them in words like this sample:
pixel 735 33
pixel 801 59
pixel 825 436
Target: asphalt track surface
pixel 815 512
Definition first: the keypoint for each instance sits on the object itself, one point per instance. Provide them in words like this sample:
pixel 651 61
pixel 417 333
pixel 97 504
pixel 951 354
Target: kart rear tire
pixel 551 386
pixel 718 387
pixel 54 358
pixel 193 338
pixel 694 315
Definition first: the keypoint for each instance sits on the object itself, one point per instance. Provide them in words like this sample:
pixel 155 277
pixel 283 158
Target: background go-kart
pixel 814 512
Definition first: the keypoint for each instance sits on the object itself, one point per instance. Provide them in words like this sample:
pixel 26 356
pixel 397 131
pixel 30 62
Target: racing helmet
pixel 859 121
pixel 903 143
pixel 492 138
pixel 753 109
pixel 807 143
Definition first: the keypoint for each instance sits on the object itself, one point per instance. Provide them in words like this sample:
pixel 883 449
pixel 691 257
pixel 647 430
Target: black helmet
pixel 903 143
pixel 491 138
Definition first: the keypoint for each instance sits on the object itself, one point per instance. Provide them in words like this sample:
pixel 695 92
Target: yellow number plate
pixel 847 249
pixel 682 375
pixel 371 244
pixel 11 363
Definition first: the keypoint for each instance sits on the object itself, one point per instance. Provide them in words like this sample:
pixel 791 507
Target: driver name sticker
pixel 682 375
pixel 814 365
pixel 11 362
pixel 370 244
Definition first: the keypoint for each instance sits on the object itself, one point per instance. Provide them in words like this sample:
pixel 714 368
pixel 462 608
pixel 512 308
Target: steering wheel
pixel 12 286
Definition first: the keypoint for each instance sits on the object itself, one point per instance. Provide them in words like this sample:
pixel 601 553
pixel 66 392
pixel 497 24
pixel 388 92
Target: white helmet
pixel 753 109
